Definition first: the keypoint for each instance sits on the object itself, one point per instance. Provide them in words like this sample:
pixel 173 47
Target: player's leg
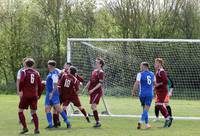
pixel 33 108
pixel 83 111
pixel 32 121
pixel 169 109
pixel 96 115
pixel 145 102
pixel 63 114
pixel 142 118
pixel 48 116
pixel 23 104
pixel 170 113
pixel 156 112
pixel 48 112
pixel 147 106
pixel 23 121
pixel 165 113
pixel 167 99
pixel 56 120
pixel 76 101
pixel 94 101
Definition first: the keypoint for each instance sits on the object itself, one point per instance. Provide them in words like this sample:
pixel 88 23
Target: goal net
pixel 122 59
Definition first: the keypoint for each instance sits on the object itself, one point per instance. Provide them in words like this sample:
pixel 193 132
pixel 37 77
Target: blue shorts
pixel 54 101
pixel 146 100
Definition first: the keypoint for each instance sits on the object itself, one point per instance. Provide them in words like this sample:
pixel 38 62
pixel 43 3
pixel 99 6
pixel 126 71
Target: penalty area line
pixel 138 116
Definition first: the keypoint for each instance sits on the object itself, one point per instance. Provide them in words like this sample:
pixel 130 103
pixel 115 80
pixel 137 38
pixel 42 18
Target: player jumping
pixel 144 82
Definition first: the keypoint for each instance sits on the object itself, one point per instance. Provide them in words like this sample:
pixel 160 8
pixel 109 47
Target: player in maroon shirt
pixel 95 90
pixel 69 86
pixel 161 90
pixel 66 67
pixel 30 90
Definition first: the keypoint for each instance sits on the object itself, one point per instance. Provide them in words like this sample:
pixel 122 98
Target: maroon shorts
pixel 160 98
pixel 74 99
pixel 95 98
pixel 26 102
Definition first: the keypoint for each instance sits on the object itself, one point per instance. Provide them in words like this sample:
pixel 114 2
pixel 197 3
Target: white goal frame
pixel 150 40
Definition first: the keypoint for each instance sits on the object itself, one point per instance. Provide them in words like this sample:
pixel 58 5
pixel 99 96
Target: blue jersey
pixel 146 79
pixel 52 78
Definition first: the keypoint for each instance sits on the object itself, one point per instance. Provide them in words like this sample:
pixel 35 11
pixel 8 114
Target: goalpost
pixel 122 58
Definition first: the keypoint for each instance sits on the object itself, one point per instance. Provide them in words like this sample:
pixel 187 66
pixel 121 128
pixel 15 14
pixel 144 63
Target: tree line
pixel 40 28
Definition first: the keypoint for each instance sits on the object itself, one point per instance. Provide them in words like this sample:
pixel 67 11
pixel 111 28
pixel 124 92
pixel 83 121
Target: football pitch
pixel 111 126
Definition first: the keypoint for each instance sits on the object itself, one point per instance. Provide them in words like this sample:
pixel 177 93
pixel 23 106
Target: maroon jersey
pixel 30 83
pixel 96 77
pixel 68 86
pixel 161 76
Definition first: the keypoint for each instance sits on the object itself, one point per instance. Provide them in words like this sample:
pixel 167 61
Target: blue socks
pixel 49 119
pixel 64 115
pixel 145 116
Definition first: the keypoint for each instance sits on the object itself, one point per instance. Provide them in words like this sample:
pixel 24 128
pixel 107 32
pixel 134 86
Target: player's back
pixel 29 82
pixel 146 83
pixel 52 78
pixel 70 85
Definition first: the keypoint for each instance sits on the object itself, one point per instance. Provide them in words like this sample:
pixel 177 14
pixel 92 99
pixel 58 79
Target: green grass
pixel 111 126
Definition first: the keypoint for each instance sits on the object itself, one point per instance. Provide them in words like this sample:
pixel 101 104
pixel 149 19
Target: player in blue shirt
pixel 144 82
pixel 52 94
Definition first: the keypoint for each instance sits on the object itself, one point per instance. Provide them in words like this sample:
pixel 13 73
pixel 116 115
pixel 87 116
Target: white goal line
pixel 131 40
pixel 138 116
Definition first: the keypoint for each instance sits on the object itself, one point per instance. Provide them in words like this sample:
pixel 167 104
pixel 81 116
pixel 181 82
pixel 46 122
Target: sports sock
pixel 147 118
pixel 63 114
pixel 84 112
pixel 22 119
pixel 96 116
pixel 169 110
pixel 164 111
pixel 157 111
pixel 49 118
pixel 144 115
pixel 35 120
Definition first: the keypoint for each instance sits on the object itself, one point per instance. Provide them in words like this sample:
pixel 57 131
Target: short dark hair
pixel 73 70
pixel 52 63
pixel 146 64
pixel 68 63
pixel 29 62
pixel 101 61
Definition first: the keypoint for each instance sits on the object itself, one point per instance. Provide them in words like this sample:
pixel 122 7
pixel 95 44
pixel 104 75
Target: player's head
pixel 51 65
pixel 99 63
pixel 67 65
pixel 23 62
pixel 158 63
pixel 72 70
pixel 29 62
pixel 144 66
